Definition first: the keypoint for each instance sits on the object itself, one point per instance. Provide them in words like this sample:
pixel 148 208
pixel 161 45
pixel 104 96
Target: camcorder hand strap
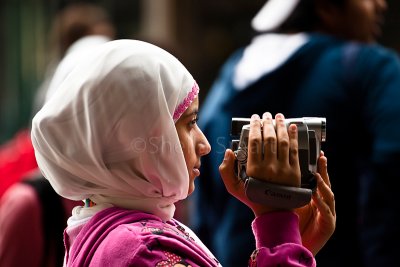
pixel 277 196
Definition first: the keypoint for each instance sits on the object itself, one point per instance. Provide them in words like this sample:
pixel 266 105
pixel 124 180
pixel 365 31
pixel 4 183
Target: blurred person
pixel 31 218
pixel 32 214
pixel 314 59
pixel 120 132
pixel 70 24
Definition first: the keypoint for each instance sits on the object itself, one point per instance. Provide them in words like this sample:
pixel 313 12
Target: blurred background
pixel 201 33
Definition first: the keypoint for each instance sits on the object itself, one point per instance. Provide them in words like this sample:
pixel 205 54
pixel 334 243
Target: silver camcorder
pixel 311 133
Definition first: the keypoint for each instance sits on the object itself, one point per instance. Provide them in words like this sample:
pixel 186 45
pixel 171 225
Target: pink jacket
pixel 119 237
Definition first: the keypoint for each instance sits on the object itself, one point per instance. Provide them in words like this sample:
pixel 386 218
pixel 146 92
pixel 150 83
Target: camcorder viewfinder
pixel 311 133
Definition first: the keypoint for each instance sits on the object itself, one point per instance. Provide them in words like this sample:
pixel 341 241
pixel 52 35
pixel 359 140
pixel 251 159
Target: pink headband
pixel 186 102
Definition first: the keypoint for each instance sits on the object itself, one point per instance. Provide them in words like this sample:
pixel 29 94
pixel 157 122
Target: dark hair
pixel 73 22
pixel 305 17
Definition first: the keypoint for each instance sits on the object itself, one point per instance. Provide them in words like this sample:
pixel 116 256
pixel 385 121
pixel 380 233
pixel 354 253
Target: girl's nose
pixel 203 146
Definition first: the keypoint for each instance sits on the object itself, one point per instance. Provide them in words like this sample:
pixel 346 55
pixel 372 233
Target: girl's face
pixel 194 143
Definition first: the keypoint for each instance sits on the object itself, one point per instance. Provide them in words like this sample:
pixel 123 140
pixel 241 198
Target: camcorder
pixel 311 133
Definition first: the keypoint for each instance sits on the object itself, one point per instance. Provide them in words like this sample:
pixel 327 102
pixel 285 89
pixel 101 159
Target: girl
pixel 120 133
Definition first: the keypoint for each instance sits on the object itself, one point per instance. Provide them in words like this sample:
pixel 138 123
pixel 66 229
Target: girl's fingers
pixel 321 206
pixel 232 183
pixel 269 138
pixel 323 168
pixel 255 141
pixel 326 193
pixel 283 139
pixel 293 146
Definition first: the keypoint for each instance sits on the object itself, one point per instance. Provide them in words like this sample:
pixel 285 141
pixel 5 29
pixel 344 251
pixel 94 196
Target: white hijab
pixel 108 132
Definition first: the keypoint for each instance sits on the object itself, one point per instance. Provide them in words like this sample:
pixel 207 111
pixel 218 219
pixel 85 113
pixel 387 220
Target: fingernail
pixel 255 116
pixel 267 115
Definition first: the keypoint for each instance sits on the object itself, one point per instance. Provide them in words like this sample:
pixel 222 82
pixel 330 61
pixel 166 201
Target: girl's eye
pixel 194 121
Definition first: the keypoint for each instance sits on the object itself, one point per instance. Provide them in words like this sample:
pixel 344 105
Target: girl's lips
pixel 196 172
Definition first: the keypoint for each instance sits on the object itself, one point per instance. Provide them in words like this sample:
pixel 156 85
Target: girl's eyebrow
pixel 193 113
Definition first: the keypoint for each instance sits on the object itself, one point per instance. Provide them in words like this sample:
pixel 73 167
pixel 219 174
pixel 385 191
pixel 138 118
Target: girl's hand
pixel 318 218
pixel 272 157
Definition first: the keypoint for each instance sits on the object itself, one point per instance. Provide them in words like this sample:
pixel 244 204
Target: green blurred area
pixel 25 26
pixel 203 34
pixel 21 43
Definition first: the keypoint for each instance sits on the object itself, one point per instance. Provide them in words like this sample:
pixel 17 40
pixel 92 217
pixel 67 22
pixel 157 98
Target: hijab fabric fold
pixel 108 131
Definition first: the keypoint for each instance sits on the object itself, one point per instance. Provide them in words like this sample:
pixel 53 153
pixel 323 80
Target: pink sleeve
pixel 278 241
pixel 21 242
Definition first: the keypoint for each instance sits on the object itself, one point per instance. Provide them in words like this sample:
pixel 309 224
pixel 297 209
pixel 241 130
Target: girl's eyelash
pixel 194 121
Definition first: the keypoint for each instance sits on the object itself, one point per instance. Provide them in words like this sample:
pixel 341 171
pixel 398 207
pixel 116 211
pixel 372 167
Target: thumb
pixel 232 183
